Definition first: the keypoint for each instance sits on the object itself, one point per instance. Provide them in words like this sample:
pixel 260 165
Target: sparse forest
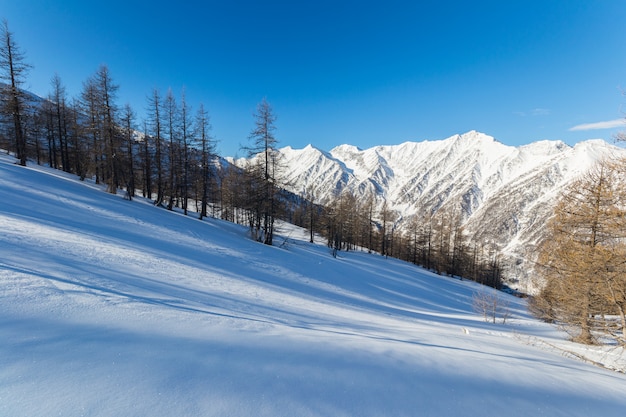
pixel 169 157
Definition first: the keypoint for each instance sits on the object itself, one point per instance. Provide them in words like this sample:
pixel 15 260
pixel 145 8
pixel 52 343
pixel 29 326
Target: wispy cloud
pixel 609 124
pixel 533 112
pixel 540 112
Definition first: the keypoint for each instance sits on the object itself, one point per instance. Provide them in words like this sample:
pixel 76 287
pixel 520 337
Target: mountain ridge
pixel 511 189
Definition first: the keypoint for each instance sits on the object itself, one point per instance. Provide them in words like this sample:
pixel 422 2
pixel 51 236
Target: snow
pixel 513 189
pixel 110 307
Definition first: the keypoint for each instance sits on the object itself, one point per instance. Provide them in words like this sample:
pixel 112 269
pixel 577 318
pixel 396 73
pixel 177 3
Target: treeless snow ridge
pixel 118 308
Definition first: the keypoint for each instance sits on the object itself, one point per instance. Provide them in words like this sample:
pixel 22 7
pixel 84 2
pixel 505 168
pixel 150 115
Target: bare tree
pixel 106 93
pixel 58 100
pixel 491 305
pixel 185 157
pixel 128 119
pixel 76 145
pixel 207 151
pixel 92 128
pixel 155 118
pixel 387 218
pixel 146 162
pixel 263 172
pixel 172 130
pixel 13 70
pixel 311 210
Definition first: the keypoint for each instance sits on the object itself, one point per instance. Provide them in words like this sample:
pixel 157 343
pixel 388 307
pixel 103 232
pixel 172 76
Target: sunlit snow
pixel 116 308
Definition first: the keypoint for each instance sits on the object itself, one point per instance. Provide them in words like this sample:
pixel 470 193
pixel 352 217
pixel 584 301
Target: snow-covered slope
pixel 504 193
pixel 110 307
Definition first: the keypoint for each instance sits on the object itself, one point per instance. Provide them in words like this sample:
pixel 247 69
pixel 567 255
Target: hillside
pixel 110 307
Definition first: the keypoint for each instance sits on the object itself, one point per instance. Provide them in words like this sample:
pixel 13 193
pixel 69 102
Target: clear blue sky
pixel 357 72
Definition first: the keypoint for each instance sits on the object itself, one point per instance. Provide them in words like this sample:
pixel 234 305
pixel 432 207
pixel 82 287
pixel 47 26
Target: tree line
pixel 170 157
pixel 436 240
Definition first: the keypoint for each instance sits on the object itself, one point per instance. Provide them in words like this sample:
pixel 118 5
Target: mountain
pixel 111 307
pixel 503 194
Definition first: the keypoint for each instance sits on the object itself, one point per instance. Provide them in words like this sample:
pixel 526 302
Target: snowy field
pixel 118 308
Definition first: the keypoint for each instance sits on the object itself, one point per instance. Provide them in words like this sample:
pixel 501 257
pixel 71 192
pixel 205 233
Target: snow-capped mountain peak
pixel 510 188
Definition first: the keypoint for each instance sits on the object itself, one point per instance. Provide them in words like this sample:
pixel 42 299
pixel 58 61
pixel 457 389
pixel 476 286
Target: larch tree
pixel 263 172
pixel 155 119
pixel 312 211
pixel 172 130
pixel 387 224
pixel 58 99
pixel 582 260
pixel 106 91
pixel 206 144
pixel 76 145
pixel 92 128
pixel 45 122
pixel 186 126
pixel 146 162
pixel 13 70
pixel 128 120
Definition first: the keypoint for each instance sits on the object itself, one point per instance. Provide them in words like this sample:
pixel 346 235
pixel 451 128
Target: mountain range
pixel 503 194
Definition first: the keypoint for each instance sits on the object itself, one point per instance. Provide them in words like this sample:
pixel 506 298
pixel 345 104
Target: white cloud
pixel 609 124
pixel 540 112
pixel 534 112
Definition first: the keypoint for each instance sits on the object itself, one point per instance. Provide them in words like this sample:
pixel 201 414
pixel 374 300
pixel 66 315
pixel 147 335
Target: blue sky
pixel 357 72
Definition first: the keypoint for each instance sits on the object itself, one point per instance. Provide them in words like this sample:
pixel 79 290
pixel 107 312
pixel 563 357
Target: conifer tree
pixel 171 126
pixel 263 173
pixel 155 119
pixel 146 162
pixel 186 126
pixel 58 100
pixel 207 151
pixel 105 94
pixel 582 259
pixel 13 69
pixel 92 128
pixel 128 118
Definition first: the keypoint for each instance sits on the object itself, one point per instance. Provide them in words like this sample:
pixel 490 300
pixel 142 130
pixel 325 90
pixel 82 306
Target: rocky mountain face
pixel 503 194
